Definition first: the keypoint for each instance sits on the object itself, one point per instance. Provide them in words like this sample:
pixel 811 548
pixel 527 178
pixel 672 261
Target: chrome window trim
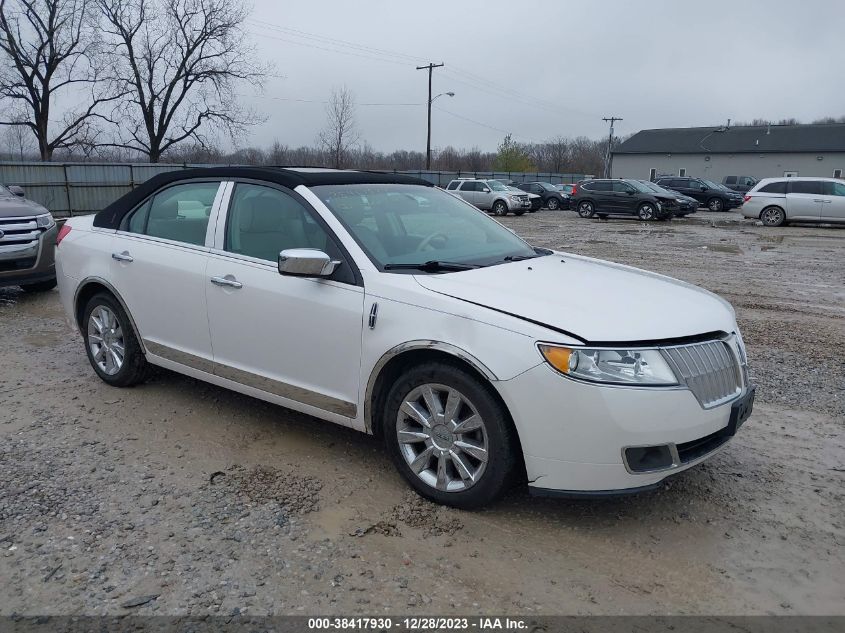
pixel 256 381
pixel 162 240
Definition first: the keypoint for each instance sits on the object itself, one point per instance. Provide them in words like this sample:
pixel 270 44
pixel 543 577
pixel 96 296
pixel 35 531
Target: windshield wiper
pixel 432 266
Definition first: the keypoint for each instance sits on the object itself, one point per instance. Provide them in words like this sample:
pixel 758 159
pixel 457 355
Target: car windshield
pixel 4 191
pixel 495 185
pixel 639 186
pixel 414 224
pixel 715 185
pixel 547 186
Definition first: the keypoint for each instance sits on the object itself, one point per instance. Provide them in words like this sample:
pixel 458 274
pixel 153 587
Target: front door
pixel 833 207
pixel 804 199
pixel 294 337
pixel 158 267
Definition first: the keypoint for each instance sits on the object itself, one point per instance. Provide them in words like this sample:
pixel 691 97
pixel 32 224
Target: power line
pixel 490 127
pixel 272 98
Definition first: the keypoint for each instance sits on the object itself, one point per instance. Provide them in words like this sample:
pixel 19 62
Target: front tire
pixel 110 342
pixel 553 204
pixel 715 204
pixel 586 209
pixel 500 208
pixel 773 216
pixel 41 286
pixel 449 436
pixel 646 212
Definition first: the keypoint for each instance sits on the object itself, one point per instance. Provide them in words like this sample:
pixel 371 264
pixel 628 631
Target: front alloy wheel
pixel 449 435
pixel 500 208
pixel 715 204
pixel 553 204
pixel 646 212
pixel 442 437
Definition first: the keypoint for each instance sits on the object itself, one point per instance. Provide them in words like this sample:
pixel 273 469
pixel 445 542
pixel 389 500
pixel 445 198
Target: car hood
pixel 590 299
pixel 11 207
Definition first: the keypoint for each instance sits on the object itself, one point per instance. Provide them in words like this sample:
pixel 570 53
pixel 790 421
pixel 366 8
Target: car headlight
pixel 613 366
pixel 44 221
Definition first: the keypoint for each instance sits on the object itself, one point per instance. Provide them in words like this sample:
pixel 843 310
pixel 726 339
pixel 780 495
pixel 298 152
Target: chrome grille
pixel 19 232
pixel 709 369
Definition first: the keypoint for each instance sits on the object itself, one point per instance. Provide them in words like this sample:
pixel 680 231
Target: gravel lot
pixel 177 497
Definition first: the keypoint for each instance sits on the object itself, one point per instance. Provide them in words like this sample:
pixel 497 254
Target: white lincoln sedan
pixel 387 305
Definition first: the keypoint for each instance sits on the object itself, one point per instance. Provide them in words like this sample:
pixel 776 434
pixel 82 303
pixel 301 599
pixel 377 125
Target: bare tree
pixel 341 132
pixel 179 62
pixel 48 52
pixel 18 141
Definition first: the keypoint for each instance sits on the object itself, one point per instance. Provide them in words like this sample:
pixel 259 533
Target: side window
pixel 731 180
pixel 468 185
pixel 453 185
pixel 178 213
pixel 774 187
pixel 813 187
pixel 748 181
pixel 263 221
pixel 621 187
pixel 601 185
pixel 834 188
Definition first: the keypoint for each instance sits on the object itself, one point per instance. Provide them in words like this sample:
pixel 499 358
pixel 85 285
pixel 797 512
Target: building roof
pixel 112 215
pixel 823 137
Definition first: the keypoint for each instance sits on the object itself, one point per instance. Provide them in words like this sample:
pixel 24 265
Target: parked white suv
pixel 387 305
pixel 490 195
pixel 777 201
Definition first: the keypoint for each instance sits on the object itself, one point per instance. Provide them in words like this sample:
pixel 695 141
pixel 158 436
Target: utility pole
pixel 608 161
pixel 431 68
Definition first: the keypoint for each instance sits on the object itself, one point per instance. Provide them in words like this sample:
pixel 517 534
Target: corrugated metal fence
pixel 78 188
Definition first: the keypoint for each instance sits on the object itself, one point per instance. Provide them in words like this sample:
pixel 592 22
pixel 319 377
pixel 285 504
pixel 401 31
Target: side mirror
pixel 703 188
pixel 18 191
pixel 306 262
pixel 485 190
pixel 630 192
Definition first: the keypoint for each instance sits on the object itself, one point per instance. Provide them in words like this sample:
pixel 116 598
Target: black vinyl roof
pixel 823 137
pixel 112 215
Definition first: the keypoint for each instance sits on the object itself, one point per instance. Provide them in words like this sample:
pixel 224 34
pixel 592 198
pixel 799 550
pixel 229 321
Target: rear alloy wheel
pixel 500 208
pixel 646 212
pixel 448 436
pixel 715 204
pixel 553 204
pixel 586 209
pixel 773 216
pixel 113 350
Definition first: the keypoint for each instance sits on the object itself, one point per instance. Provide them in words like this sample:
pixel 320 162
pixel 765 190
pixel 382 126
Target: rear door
pixel 833 207
pixel 624 197
pixel 804 200
pixel 158 267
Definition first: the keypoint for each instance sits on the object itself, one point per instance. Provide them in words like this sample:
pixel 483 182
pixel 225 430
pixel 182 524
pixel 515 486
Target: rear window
pixel 813 187
pixel 774 187
pixel 730 180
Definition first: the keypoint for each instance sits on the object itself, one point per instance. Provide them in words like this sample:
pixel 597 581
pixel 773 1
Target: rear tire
pixel 107 330
pixel 500 208
pixel 773 216
pixel 41 286
pixel 586 209
pixel 432 459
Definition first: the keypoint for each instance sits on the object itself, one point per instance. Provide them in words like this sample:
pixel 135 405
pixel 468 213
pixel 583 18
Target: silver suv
pixel 27 242
pixel 490 195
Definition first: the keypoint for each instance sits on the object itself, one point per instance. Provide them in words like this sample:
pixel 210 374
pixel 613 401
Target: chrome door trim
pixel 219 238
pixel 440 346
pixel 178 356
pixel 256 381
pixel 211 227
pixel 99 280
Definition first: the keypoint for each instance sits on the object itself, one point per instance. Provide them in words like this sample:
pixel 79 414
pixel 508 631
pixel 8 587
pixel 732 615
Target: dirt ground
pixel 177 497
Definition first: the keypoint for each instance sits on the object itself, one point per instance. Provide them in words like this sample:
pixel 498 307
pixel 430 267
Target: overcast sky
pixel 539 69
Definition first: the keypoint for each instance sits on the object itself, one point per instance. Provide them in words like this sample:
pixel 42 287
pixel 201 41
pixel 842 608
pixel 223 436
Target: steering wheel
pixel 429 239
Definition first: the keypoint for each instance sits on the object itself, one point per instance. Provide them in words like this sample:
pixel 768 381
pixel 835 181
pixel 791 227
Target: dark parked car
pixel 603 197
pixel 686 205
pixel 711 195
pixel 552 198
pixel 27 242
pixel 743 184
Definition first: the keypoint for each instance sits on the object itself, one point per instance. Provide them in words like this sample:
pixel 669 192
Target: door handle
pixel 123 257
pixel 228 281
pixel 821 200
